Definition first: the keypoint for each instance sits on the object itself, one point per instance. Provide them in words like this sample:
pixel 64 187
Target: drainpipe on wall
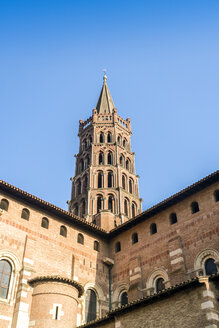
pixel 109 263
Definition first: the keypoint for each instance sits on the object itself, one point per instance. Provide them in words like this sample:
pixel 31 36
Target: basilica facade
pixel 104 262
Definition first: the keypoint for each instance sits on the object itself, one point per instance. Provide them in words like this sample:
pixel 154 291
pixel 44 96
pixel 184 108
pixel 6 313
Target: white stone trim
pixel 212 316
pixel 207 305
pixel 203 256
pixel 208 293
pixel 29 261
pixel 16 268
pixel 177 260
pixel 157 273
pixel 176 252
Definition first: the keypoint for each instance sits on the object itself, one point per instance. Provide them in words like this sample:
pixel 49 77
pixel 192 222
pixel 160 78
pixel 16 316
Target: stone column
pixel 54 302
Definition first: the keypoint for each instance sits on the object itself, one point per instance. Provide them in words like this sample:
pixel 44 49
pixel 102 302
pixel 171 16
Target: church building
pixel 104 262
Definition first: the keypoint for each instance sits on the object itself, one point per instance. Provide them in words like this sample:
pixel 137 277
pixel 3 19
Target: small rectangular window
pixel 57 313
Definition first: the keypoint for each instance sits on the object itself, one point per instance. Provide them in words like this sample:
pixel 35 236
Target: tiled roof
pixel 68 281
pixel 147 300
pixel 71 218
pixel 192 189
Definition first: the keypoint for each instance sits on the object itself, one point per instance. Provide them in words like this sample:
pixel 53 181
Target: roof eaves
pixel 195 187
pixel 16 192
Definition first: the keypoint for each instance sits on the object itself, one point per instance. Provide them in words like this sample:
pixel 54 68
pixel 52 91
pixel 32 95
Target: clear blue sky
pixel 162 59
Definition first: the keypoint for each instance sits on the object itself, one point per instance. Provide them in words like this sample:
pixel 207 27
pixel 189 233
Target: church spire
pixel 105 103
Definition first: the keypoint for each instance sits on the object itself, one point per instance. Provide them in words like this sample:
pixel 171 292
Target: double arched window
pixel 109 137
pixel 90 305
pixel 83 207
pixel 124 181
pixel 100 179
pixel 110 179
pixel 133 209
pixel 99 203
pixel 101 158
pixel 126 209
pixel 111 203
pixel 109 158
pixel 131 186
pixel 101 137
pixel 5 278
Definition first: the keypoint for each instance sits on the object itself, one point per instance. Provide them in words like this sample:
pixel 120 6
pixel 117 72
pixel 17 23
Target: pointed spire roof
pixel 105 103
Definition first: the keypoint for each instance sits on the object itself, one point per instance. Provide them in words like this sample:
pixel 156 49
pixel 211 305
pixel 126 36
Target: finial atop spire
pixel 105 103
pixel 104 76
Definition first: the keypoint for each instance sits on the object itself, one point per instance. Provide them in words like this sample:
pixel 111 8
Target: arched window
pixel 194 207
pixel 121 160
pixel 96 246
pixel 119 140
pixel 134 238
pixel 159 285
pixel 4 204
pixel 110 179
pixel 85 183
pixel 110 203
pixel 101 137
pixel 5 277
pixel 101 158
pixel 79 187
pixel 99 203
pixel 63 231
pixel 81 165
pixel 210 267
pixel 80 239
pixel 76 209
pixel 90 306
pixel 83 206
pixel 127 164
pixel 110 158
pixel 130 186
pixel 126 207
pixel 45 223
pixel 100 180
pixel 133 210
pixel 123 298
pixel 123 182
pixel 118 247
pixel 153 228
pixel 124 143
pixel 173 218
pixel 83 145
pixel 216 195
pixel 25 214
pixel 87 160
pixel 109 137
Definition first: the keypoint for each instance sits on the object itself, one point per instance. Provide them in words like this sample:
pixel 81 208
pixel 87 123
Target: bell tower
pixel 105 187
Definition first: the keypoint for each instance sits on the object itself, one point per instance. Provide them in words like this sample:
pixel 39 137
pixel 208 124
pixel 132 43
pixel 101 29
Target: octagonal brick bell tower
pixel 105 186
